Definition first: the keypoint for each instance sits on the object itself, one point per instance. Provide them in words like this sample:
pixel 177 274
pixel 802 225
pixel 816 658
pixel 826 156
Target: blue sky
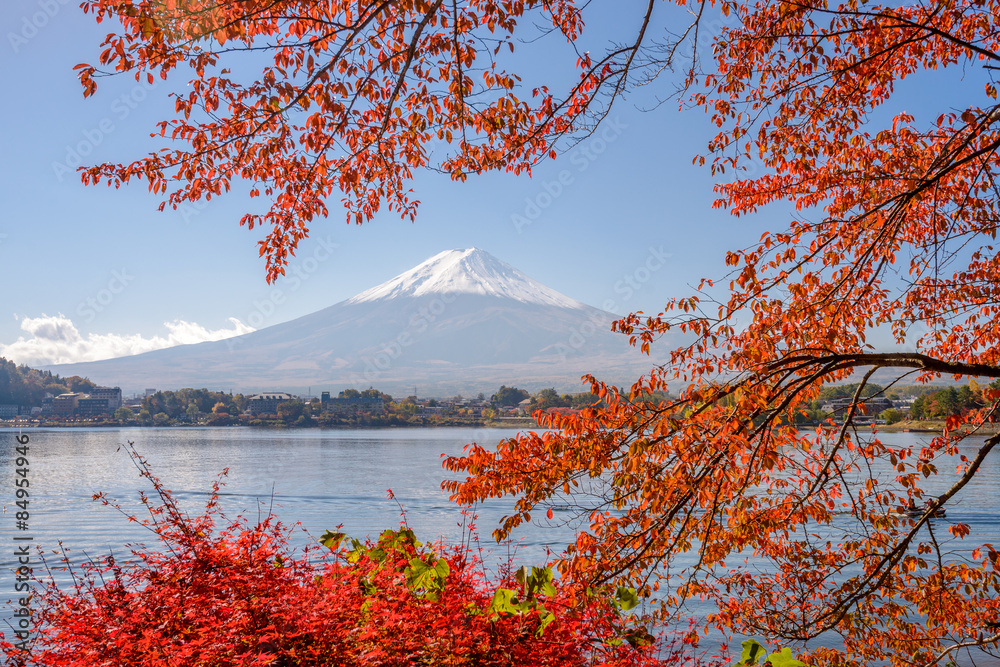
pixel 126 275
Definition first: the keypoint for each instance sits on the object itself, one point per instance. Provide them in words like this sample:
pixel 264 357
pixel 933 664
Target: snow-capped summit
pixel 466 271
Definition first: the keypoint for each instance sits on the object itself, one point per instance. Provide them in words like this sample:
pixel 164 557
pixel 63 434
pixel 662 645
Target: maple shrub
pixel 896 220
pixel 239 595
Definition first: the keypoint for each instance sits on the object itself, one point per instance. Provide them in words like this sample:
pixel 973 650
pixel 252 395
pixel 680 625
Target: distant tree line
pixel 22 385
pixel 544 399
pixel 949 401
pixel 508 397
pixel 547 399
pixel 188 404
pixel 932 402
pixel 365 393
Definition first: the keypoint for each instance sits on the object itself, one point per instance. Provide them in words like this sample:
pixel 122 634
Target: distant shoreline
pixel 517 422
pixel 927 426
pixel 909 425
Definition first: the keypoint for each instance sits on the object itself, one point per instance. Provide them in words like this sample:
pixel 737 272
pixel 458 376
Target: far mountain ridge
pixel 462 321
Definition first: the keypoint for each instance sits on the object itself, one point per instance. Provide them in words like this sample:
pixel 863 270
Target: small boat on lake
pixel 916 512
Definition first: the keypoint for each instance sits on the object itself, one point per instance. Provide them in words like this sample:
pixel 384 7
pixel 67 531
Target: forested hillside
pixel 22 385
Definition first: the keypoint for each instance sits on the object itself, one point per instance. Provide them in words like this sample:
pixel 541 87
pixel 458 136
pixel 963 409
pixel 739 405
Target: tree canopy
pixel 508 397
pixel 21 385
pixel 895 224
pixel 352 98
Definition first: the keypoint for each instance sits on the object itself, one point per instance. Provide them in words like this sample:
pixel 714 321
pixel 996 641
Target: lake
pixel 320 478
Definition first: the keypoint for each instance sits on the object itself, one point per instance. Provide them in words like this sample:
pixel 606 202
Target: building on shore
pixel 267 403
pixel 868 408
pixel 100 401
pixel 91 407
pixel 9 411
pixel 64 405
pixel 113 395
pixel 351 406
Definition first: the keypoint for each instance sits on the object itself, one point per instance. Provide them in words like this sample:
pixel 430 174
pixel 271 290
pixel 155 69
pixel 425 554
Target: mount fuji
pixel 462 321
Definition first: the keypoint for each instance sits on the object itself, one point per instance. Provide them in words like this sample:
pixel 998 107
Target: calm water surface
pixel 319 478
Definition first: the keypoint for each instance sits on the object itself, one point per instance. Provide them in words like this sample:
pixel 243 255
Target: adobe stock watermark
pixel 32 23
pixel 581 157
pixel 747 168
pixel 121 108
pixel 90 307
pixel 642 274
pixel 578 336
pixel 191 209
pixel 382 360
pixel 296 274
pixel 627 286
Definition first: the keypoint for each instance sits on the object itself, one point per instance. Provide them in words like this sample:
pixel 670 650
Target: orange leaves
pixel 380 82
pixel 86 76
pixel 715 470
pixel 959 530
pixel 903 217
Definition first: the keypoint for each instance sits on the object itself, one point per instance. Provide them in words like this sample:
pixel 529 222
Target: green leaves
pixel 626 598
pixel 783 658
pixel 753 650
pixel 331 539
pixel 427 580
pixel 535 580
pixel 544 618
pixel 505 602
pixel 398 554
pixel 389 542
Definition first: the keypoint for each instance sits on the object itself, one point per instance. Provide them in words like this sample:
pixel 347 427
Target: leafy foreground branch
pixel 786 534
pixel 239 595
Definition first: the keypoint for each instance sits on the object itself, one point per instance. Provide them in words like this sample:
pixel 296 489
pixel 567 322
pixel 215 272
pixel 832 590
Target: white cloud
pixel 55 340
